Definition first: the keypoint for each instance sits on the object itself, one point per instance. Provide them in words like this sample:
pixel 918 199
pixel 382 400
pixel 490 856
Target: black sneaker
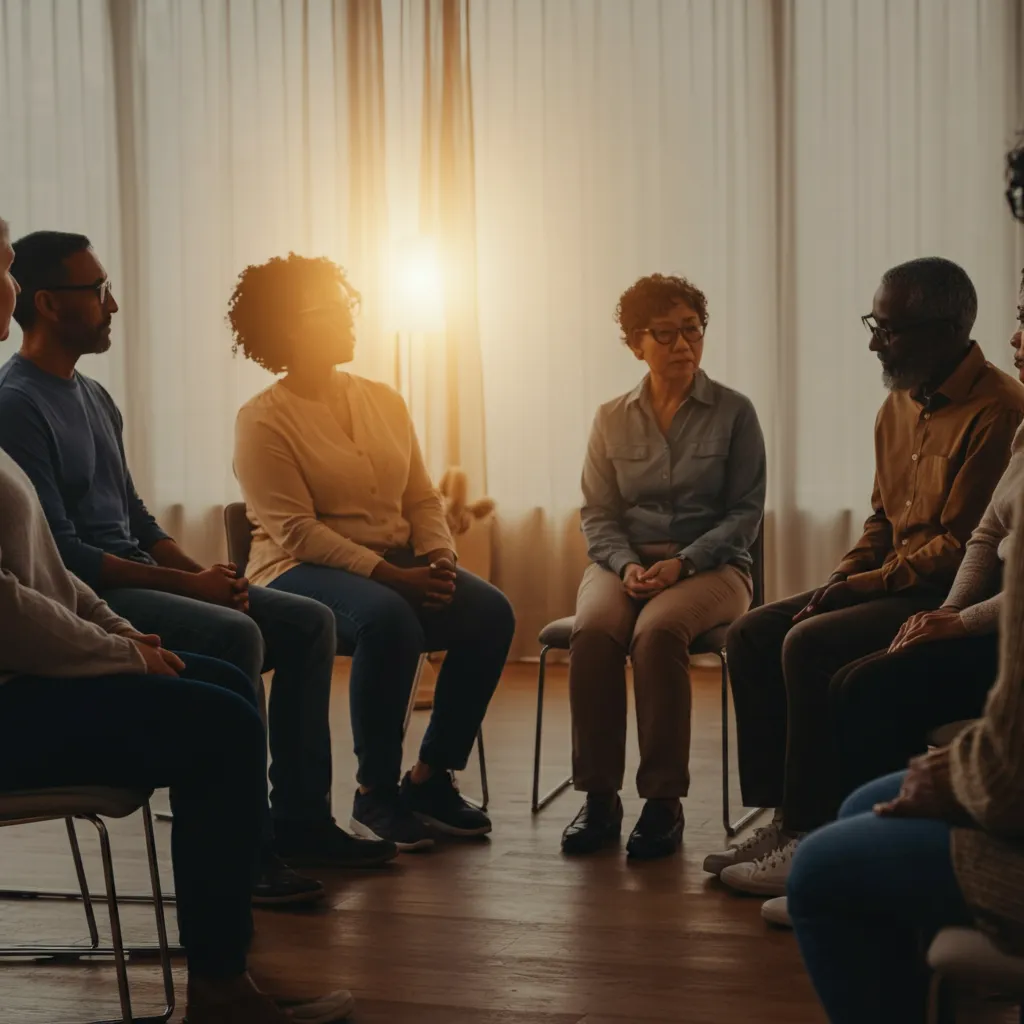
pixel 277 885
pixel 598 824
pixel 381 814
pixel 323 844
pixel 439 804
pixel 659 832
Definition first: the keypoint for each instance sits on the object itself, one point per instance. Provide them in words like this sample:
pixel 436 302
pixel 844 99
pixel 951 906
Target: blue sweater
pixel 67 437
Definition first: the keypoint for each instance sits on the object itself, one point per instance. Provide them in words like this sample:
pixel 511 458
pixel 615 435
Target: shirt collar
pixel 702 390
pixel 958 385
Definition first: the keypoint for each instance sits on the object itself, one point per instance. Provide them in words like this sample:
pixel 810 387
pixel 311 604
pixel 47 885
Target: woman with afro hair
pixel 344 511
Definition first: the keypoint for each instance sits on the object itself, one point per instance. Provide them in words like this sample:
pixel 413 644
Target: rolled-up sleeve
pixel 608 544
pixel 746 480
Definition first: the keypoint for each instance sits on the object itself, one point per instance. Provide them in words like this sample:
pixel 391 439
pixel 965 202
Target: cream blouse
pixel 314 493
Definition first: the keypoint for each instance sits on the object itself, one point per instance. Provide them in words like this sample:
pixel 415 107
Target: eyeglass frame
pixel 886 333
pixel 101 288
pixel 676 332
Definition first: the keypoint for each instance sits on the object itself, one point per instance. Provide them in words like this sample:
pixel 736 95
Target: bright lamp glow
pixel 417 288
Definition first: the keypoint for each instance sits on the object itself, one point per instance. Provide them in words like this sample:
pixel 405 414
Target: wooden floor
pixel 505 931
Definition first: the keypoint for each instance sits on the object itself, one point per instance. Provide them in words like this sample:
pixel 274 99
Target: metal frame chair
pixel 238 530
pixel 92 804
pixel 556 635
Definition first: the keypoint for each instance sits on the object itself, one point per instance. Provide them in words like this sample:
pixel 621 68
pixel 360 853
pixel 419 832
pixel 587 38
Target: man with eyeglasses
pixel 65 432
pixel 942 441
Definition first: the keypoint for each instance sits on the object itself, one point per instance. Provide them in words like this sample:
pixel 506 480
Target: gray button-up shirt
pixel 701 487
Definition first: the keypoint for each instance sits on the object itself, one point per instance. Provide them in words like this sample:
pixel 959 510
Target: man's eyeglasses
pixel 101 288
pixel 667 335
pixel 885 333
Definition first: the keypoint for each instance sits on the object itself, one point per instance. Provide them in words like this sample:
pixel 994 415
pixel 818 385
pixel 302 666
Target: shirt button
pixel 664 476
pixel 909 503
pixel 927 415
pixel 373 490
pixel 913 458
pixel 904 542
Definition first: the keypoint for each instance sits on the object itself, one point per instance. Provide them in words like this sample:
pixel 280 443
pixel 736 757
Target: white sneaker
pixel 776 912
pixel 764 877
pixel 761 843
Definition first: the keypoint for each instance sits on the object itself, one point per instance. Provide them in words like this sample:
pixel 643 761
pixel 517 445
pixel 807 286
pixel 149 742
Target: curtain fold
pixel 781 154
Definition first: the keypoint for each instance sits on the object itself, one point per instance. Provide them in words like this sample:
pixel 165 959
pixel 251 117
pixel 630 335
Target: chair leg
pixel 115 919
pixel 83 883
pixel 731 827
pixel 484 790
pixel 158 910
pixel 416 679
pixel 538 802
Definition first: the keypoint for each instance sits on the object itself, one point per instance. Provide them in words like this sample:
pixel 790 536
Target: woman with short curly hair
pixel 344 512
pixel 673 487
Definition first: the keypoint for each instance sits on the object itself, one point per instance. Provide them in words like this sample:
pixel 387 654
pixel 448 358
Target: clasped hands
pixel 642 584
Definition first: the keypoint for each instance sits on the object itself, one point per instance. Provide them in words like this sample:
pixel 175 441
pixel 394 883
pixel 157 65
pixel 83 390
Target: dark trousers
pixel 388 635
pixel 885 705
pixel 781 674
pixel 199 735
pixel 290 635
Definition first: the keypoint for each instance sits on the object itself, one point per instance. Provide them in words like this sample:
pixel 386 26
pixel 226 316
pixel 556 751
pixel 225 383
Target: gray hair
pixel 936 289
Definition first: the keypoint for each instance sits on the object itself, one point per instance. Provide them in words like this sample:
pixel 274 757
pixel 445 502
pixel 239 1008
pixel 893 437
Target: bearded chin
pixel 903 379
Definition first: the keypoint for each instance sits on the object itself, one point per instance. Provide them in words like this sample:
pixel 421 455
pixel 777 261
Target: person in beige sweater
pixel 86 700
pixel 344 511
pixel 939 844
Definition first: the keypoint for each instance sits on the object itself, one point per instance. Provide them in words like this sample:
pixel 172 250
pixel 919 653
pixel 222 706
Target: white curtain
pixel 614 138
pixel 896 118
pixel 243 130
pixel 780 155
pixel 58 138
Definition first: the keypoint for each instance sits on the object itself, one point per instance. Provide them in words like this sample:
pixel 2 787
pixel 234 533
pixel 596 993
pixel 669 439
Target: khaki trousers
pixel 656 635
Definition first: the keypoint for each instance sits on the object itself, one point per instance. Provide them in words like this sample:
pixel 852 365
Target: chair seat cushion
pixel 970 955
pixel 711 642
pixel 557 634
pixel 69 801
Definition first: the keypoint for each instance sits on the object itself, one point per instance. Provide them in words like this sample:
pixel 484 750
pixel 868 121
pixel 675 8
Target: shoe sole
pixel 751 887
pixel 302 899
pixel 357 828
pixel 451 830
pixel 320 1011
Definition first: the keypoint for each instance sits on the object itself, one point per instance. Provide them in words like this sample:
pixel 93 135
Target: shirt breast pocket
pixel 630 462
pixel 701 470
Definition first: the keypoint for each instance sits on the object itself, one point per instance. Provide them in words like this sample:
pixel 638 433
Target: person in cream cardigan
pixel 344 511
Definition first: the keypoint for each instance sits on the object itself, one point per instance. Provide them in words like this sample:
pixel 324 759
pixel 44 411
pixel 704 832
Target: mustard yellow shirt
pixel 317 493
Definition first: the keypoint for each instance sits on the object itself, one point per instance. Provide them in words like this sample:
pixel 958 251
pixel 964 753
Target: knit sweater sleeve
pixel 40 637
pixel 987 759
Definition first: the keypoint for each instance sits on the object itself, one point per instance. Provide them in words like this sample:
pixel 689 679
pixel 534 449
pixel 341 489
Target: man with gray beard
pixel 942 441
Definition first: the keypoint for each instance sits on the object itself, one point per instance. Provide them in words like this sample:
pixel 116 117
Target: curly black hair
pixel 653 296
pixel 264 300
pixel 1015 179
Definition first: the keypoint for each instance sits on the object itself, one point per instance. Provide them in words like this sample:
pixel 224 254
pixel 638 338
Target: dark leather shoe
pixel 598 824
pixel 659 832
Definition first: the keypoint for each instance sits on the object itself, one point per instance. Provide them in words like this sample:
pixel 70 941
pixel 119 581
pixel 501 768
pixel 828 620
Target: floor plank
pixel 504 931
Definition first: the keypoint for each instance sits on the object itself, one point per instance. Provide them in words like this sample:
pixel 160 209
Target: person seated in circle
pixel 344 511
pixel 674 487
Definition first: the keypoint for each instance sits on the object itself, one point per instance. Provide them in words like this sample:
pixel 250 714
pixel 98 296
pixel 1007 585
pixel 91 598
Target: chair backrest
pixel 757 569
pixel 239 534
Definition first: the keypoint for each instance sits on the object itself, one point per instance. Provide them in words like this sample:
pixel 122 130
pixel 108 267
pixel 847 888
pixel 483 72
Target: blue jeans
pixel 290 635
pixel 866 895
pixel 387 636
pixel 199 735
